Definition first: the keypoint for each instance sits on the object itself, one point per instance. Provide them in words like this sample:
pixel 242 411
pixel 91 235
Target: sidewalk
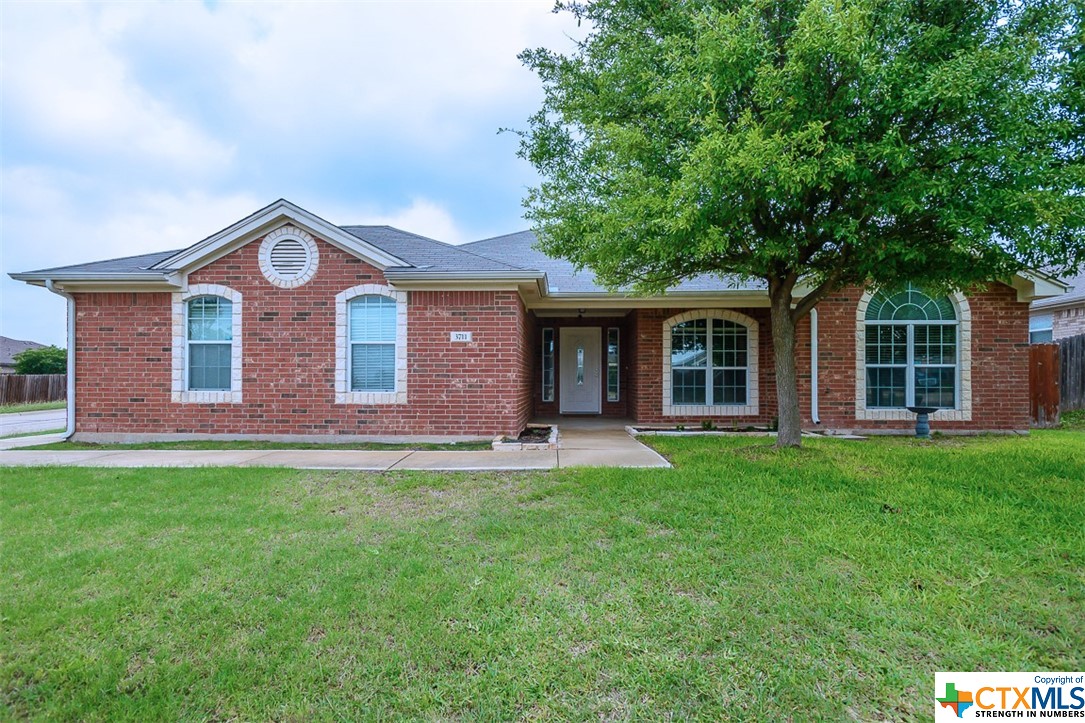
pixel 580 448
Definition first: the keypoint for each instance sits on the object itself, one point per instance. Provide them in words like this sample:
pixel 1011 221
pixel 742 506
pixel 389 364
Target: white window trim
pixel 343 394
pixel 963 412
pixel 716 410
pixel 292 232
pixel 180 393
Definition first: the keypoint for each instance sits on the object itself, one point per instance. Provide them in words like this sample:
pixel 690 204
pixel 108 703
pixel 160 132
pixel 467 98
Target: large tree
pixel 811 144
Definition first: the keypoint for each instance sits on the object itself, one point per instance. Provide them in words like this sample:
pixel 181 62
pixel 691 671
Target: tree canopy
pixel 812 144
pixel 43 360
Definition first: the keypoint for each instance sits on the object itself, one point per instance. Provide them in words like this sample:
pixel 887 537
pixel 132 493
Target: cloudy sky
pixel 141 126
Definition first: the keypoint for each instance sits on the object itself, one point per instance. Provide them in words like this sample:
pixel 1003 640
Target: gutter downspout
pixel 814 367
pixel 70 430
pixel 814 415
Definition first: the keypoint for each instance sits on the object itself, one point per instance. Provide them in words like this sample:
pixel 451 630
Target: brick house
pixel 1060 316
pixel 284 326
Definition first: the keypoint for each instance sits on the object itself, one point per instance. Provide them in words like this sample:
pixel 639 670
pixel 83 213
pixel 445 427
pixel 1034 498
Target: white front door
pixel 580 364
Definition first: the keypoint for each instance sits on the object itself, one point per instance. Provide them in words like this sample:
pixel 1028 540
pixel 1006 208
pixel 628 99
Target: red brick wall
pixel 648 375
pixel 489 386
pixel 999 366
pixel 123 359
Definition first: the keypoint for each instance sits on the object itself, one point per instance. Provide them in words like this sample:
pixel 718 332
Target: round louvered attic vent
pixel 288 257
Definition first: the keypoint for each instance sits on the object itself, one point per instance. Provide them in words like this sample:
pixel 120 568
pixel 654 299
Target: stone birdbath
pixel 922 420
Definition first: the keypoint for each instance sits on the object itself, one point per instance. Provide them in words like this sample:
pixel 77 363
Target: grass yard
pixel 826 583
pixel 33 407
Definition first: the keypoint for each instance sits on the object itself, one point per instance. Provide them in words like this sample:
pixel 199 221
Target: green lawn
pixel 34 407
pixel 826 583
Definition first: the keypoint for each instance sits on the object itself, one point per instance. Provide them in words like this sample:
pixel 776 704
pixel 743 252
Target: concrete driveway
pixel 23 422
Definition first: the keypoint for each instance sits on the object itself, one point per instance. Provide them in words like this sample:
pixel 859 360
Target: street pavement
pixel 24 422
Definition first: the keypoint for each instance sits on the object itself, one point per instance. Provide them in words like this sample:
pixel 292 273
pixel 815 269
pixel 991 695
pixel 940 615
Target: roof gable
pixel 267 219
pixel 1075 295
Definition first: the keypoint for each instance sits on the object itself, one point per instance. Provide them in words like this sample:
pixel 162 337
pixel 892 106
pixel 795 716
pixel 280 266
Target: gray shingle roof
pixel 123 265
pixel 426 254
pixel 1076 295
pixel 562 276
pixel 10 347
pixel 513 252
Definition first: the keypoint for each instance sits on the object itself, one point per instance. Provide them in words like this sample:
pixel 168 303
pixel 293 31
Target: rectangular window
pixel 885 386
pixel 934 353
pixel 729 386
pixel 372 332
pixel 209 368
pixel 548 365
pixel 886 365
pixel 688 386
pixel 911 365
pixel 1040 328
pixel 709 363
pixel 935 387
pixel 612 364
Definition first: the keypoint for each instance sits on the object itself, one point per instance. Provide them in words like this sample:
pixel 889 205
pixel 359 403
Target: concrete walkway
pixel 607 445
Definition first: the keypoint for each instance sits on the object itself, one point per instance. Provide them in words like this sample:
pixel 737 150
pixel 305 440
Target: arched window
pixel 911 351
pixel 210 343
pixel 207 345
pixel 710 364
pixel 372 343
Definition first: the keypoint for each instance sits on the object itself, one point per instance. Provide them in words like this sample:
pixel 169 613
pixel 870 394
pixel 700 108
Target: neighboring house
pixel 9 348
pixel 1060 316
pixel 284 325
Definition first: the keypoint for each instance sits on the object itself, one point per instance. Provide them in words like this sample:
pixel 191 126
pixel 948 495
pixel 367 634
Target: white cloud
pixel 413 68
pixel 136 127
pixel 68 88
pixel 56 219
pixel 69 224
pixel 410 67
pixel 47 221
pixel 422 217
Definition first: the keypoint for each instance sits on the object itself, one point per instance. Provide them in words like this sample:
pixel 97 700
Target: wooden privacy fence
pixel 1056 379
pixel 29 388
pixel 1043 384
pixel 1072 374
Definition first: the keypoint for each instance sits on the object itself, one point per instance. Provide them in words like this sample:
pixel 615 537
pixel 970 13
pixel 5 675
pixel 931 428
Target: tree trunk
pixel 789 427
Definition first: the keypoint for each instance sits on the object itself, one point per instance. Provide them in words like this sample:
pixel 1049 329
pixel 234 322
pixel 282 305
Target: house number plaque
pixel 461 336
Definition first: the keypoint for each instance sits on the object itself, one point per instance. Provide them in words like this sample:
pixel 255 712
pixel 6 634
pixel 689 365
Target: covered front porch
pixel 653 364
